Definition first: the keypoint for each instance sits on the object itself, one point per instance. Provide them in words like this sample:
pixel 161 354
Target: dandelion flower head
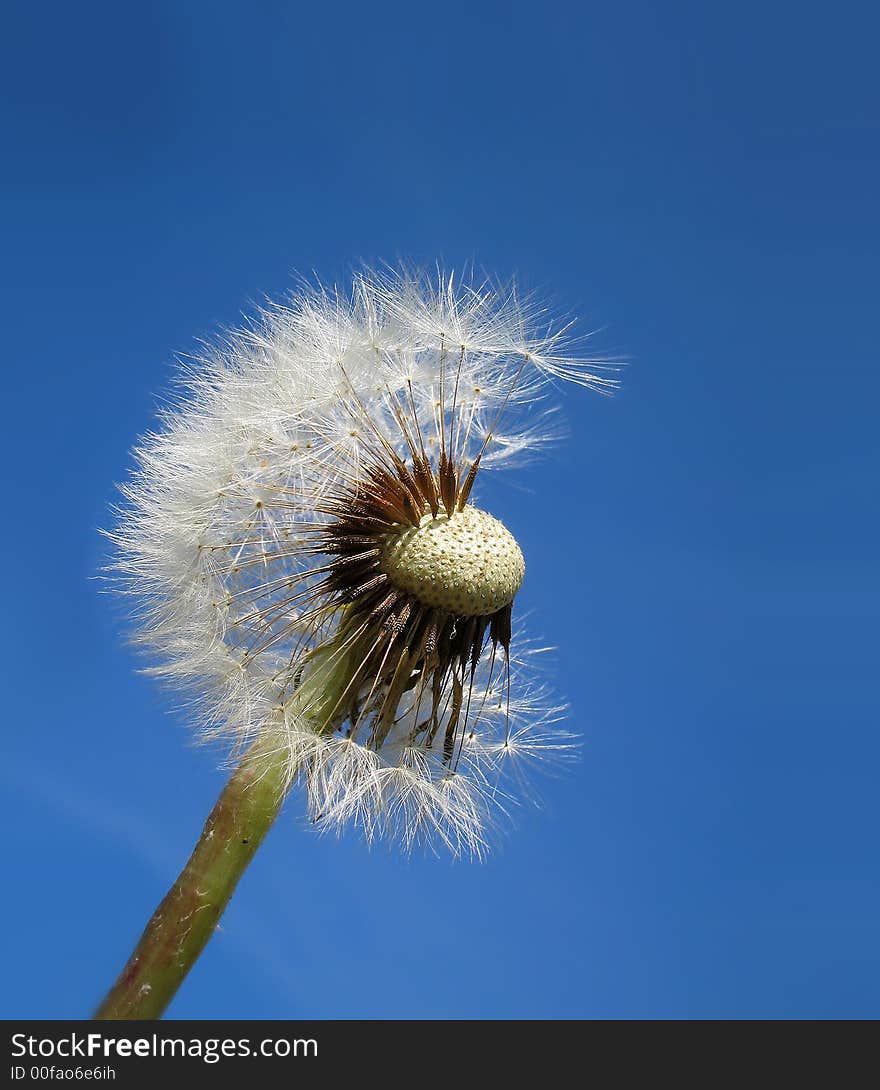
pixel 306 560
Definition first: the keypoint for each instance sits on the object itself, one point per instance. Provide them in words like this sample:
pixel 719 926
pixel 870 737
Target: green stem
pixel 187 917
pixel 185 920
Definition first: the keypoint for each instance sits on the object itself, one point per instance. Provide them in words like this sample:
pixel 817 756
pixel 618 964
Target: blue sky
pixel 699 183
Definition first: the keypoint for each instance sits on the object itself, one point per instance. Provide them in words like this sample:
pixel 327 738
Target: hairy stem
pixel 185 920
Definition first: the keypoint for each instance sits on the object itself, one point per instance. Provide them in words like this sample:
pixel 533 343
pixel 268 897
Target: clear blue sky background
pixel 700 182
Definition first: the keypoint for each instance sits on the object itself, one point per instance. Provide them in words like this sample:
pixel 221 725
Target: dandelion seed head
pixel 306 564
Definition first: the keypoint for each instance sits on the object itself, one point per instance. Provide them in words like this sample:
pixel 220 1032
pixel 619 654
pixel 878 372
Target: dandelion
pixel 306 559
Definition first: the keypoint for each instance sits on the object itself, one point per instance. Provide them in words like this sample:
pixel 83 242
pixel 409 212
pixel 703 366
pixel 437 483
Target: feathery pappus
pixel 307 562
